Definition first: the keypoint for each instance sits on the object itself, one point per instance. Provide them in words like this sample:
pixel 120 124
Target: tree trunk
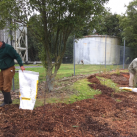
pixel 50 80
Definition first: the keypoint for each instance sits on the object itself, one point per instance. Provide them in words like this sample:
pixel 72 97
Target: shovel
pixel 129 89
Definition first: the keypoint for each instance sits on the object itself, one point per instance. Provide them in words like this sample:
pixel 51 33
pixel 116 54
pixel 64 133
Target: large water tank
pixel 97 49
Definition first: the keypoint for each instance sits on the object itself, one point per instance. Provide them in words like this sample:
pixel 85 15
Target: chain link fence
pixel 86 55
pixel 104 57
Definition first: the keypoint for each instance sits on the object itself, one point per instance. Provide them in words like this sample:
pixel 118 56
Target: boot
pixel 7 99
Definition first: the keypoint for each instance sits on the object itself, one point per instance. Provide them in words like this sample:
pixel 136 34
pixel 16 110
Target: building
pixel 18 39
pixel 97 49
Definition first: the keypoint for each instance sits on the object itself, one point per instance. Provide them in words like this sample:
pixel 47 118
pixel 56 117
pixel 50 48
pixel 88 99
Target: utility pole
pixel 74 53
pixel 105 48
pixel 124 55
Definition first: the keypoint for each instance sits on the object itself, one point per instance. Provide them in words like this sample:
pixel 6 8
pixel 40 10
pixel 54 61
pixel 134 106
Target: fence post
pixel 105 48
pixel 124 55
pixel 74 54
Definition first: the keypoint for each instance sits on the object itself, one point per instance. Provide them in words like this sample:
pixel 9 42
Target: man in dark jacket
pixel 7 70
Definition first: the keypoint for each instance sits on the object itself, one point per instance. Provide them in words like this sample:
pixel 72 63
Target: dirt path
pixel 109 114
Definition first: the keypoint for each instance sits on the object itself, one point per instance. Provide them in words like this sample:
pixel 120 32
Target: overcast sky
pixel 117 6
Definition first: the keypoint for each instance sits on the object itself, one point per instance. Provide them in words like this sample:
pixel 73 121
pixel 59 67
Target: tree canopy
pixel 108 24
pixel 57 20
pixel 128 22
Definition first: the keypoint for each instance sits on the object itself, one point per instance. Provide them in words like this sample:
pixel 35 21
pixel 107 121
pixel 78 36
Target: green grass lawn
pixel 80 88
pixel 67 70
pixel 29 64
pixel 81 91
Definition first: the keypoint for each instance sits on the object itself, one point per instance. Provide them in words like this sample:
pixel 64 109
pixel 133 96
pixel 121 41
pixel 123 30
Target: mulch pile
pixel 109 114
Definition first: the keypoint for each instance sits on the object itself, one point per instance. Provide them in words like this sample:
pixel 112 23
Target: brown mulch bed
pixel 121 79
pixel 109 114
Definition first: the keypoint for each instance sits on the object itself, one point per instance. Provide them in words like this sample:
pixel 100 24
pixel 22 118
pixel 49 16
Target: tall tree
pixel 33 43
pixel 108 24
pixel 57 19
pixel 128 22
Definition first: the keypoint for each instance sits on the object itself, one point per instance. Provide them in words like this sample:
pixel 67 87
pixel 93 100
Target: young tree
pixel 57 19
